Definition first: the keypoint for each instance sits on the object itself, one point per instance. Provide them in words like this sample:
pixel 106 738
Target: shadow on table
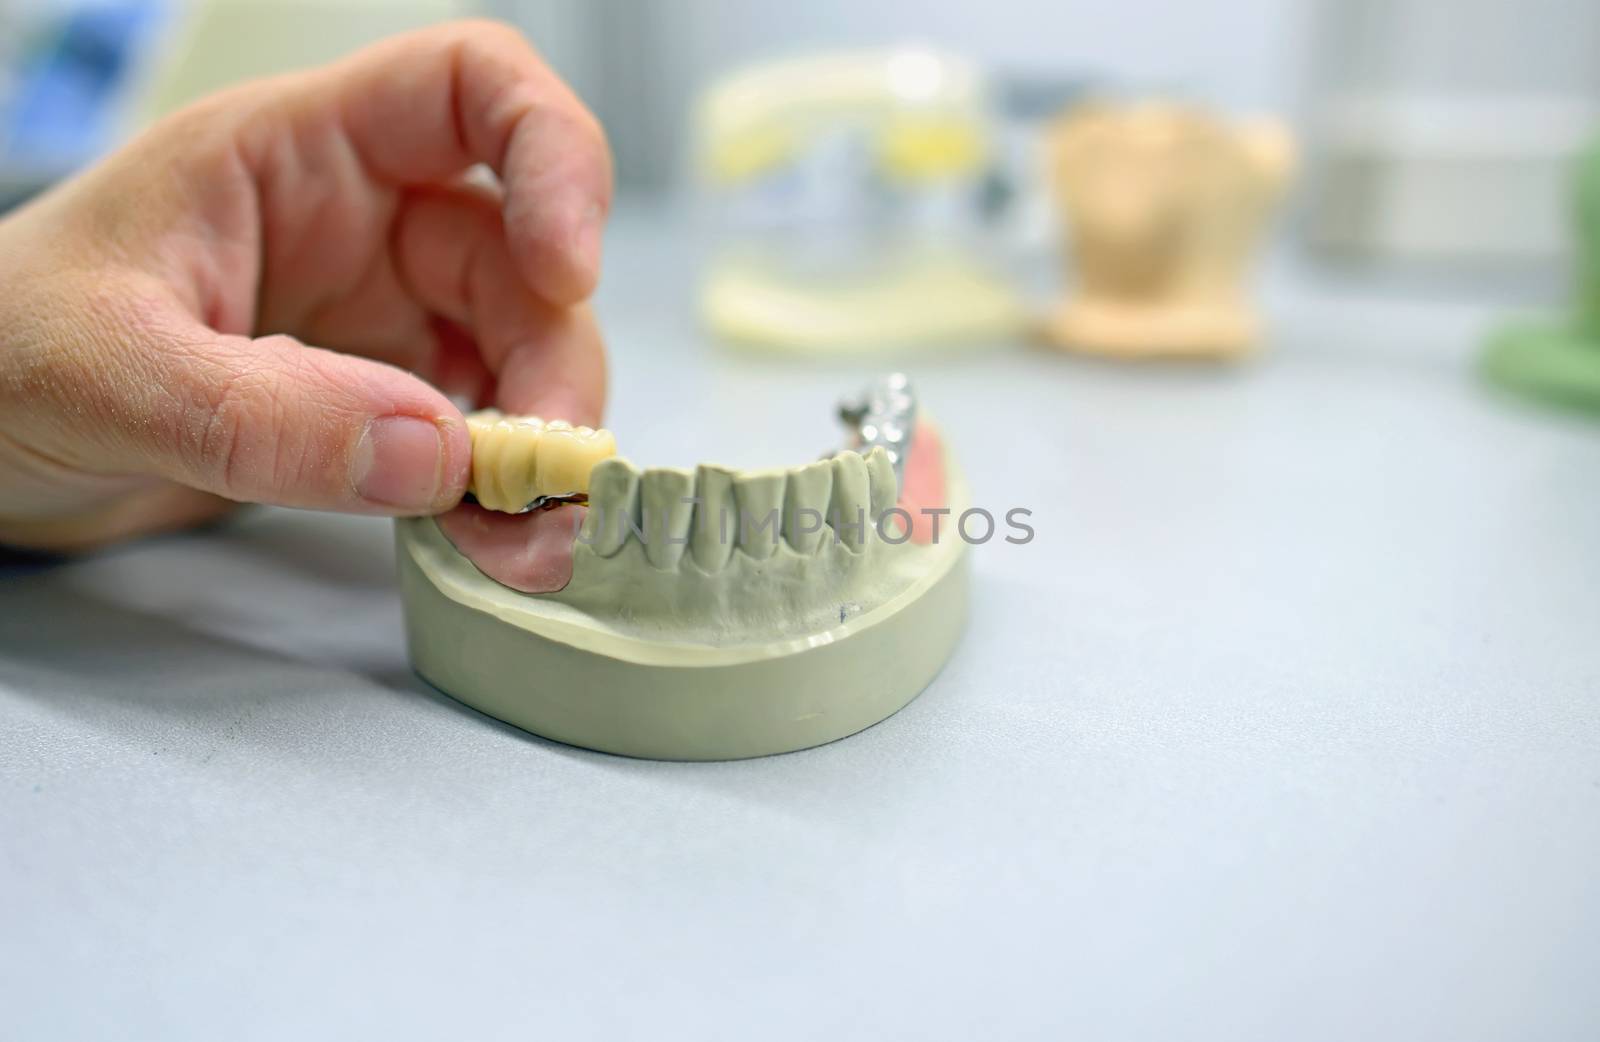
pixel 117 669
pixel 344 551
pixel 185 671
pixel 116 678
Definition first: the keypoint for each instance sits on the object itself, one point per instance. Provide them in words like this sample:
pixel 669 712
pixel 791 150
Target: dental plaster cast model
pixel 1559 361
pixel 1163 206
pixel 692 614
pixel 848 185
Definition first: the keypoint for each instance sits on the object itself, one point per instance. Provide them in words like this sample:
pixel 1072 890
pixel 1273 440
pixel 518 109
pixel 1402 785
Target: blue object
pixel 73 72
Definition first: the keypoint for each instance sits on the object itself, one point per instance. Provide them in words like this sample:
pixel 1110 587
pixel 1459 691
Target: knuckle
pixel 235 424
pixel 217 432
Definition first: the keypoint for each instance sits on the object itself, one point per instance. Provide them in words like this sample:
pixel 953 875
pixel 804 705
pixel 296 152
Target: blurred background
pixel 1409 113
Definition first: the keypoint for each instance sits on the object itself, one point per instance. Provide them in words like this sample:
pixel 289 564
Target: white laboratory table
pixel 1286 725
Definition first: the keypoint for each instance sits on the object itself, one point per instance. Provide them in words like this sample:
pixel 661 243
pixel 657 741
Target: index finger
pixel 427 105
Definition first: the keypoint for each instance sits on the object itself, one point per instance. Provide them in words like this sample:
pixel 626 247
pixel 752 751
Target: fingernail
pixel 397 463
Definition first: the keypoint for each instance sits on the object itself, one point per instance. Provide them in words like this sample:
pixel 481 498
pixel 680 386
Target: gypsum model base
pixel 762 655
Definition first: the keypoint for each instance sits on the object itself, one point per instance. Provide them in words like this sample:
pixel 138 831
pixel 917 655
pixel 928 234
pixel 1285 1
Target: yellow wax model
pixel 517 460
pixel 848 186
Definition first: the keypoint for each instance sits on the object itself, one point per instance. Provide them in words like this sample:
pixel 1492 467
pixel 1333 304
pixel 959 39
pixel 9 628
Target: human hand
pixel 268 296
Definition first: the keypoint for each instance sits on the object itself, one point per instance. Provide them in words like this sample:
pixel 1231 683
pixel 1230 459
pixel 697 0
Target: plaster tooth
pixel 566 455
pixel 716 517
pixel 666 511
pixel 850 505
pixel 805 507
pixel 884 490
pixel 613 506
pixel 758 495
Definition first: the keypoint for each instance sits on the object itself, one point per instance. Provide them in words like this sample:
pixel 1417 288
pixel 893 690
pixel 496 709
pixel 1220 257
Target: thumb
pixel 272 420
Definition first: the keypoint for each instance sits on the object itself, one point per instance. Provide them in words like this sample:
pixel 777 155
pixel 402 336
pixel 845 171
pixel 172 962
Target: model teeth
pixel 716 518
pixel 758 495
pixel 851 500
pixel 518 459
pixel 885 489
pixel 805 505
pixel 666 509
pixel 712 512
pixel 613 506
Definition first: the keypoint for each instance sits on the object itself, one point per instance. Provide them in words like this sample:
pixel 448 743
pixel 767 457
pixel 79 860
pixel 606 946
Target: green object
pixel 669 659
pixel 1559 361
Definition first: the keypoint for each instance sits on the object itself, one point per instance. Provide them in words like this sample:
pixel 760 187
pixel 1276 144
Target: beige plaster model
pixel 1163 206
pixel 517 460
pixel 711 613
